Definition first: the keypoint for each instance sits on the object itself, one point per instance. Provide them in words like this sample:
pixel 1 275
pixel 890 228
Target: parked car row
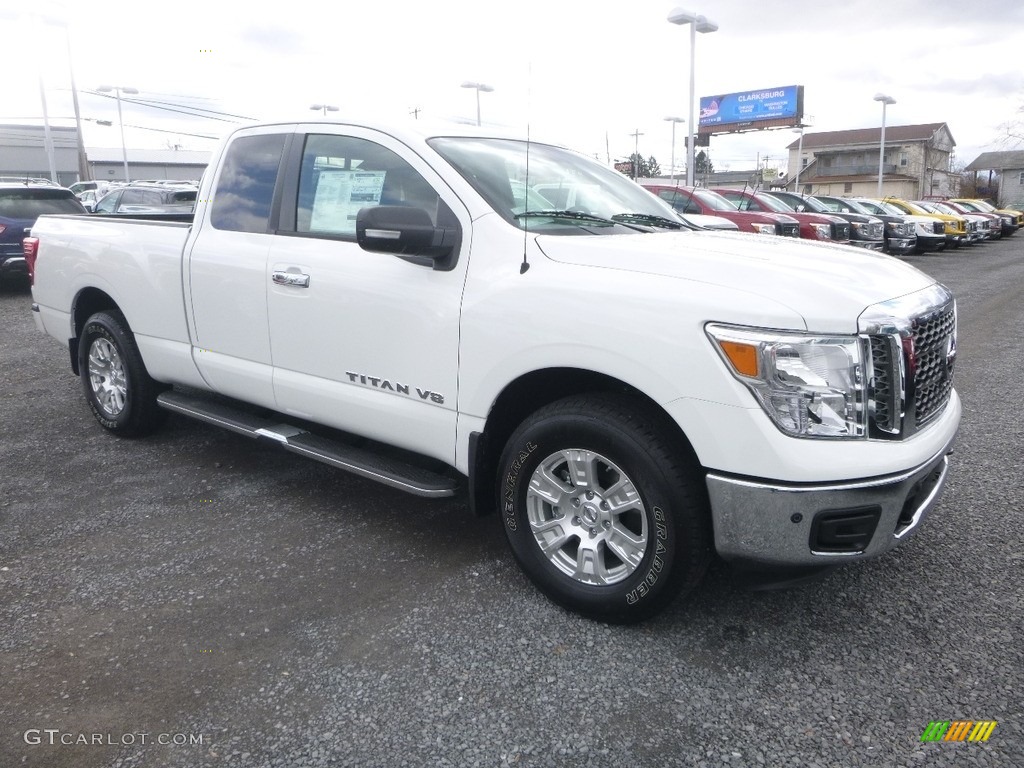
pixel 897 227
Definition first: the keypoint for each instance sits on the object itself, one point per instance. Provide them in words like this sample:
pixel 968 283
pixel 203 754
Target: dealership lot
pixel 196 599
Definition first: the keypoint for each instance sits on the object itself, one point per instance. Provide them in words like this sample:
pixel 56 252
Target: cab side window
pixel 342 174
pixel 245 188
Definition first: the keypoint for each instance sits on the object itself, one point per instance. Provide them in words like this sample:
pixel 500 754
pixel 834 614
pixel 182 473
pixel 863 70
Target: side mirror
pixel 407 233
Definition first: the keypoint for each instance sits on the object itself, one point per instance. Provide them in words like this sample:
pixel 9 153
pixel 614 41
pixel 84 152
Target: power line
pixel 153 104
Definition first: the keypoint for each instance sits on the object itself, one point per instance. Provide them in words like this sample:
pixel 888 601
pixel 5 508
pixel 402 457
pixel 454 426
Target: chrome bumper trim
pixel 768 523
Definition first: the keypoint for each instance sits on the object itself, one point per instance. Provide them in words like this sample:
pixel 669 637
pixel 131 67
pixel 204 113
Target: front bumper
pixel 902 245
pixel 799 524
pixel 873 245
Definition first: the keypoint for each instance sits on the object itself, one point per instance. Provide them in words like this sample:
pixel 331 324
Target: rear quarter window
pixel 245 188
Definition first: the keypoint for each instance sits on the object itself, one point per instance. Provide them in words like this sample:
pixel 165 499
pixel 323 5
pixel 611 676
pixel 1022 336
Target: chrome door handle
pixel 291 278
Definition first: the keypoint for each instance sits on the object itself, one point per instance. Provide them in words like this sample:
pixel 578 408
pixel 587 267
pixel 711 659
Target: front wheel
pixel 119 391
pixel 604 509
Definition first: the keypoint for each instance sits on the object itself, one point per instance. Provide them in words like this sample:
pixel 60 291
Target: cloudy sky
pixel 585 73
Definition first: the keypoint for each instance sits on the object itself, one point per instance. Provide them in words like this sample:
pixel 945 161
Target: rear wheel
pixel 604 510
pixel 119 391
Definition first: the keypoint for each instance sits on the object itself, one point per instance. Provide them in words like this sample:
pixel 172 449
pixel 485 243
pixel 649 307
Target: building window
pixel 1020 179
pixel 847 187
pixel 903 159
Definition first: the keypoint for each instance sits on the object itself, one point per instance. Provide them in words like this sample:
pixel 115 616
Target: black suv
pixel 20 205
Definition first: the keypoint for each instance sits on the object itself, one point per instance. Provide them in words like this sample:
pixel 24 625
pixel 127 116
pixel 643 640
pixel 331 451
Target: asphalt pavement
pixel 196 599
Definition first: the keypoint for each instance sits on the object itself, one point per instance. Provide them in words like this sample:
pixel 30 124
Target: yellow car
pixel 956 227
pixel 1012 219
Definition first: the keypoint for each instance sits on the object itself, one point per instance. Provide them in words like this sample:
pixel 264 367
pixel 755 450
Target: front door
pixel 365 342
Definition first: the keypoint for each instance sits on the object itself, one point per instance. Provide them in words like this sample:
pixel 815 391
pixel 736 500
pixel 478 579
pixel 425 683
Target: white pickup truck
pixel 629 394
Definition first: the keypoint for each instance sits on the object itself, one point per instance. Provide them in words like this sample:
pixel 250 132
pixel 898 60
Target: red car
pixel 698 200
pixel 813 226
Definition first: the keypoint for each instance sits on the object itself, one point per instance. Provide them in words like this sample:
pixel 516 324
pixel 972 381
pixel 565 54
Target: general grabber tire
pixel 605 510
pixel 119 391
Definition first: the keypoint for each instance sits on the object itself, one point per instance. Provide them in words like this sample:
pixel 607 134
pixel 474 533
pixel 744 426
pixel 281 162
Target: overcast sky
pixel 585 73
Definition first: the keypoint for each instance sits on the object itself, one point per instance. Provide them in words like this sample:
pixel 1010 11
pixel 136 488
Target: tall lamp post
pixel 324 108
pixel 118 90
pixel 479 87
pixel 697 24
pixel 886 101
pixel 799 158
pixel 674 120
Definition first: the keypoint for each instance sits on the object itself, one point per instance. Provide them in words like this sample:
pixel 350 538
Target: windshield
pixel 32 203
pixel 852 206
pixel 943 208
pixel 714 201
pixel 521 182
pixel 773 204
pixel 880 206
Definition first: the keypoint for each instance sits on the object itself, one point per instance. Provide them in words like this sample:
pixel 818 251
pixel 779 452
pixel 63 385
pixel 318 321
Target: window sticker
pixel 339 196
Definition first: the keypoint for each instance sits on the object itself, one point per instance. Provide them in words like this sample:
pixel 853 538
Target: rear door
pixel 227 274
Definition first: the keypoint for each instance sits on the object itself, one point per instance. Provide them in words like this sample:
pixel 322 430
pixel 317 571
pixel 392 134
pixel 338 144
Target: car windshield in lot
pixel 874 207
pixel 542 187
pixel 30 203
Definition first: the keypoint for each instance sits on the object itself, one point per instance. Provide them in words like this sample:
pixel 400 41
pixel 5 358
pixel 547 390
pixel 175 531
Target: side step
pixel 384 469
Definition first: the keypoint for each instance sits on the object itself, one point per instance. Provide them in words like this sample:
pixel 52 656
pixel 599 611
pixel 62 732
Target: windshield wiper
pixel 575 215
pixel 649 219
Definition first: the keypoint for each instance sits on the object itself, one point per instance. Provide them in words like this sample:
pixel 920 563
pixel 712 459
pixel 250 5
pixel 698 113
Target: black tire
pixel 119 391
pixel 660 521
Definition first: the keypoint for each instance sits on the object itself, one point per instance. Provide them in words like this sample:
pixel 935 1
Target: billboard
pixel 752 110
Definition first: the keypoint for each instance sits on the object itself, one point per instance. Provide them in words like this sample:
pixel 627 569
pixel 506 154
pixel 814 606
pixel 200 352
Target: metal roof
pixel 893 133
pixel 997 161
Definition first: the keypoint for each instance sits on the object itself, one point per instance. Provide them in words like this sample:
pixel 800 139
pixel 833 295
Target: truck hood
pixel 828 285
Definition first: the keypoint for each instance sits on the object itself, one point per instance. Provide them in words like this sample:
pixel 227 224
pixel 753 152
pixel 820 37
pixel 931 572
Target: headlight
pixel 764 229
pixel 810 386
pixel 824 231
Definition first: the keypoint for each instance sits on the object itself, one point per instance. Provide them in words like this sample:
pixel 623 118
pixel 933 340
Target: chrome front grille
pixel 885 389
pixel 841 231
pixel 791 230
pixel 939 228
pixel 934 352
pixel 911 370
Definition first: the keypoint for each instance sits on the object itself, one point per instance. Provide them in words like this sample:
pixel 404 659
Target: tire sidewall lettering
pixel 644 588
pixel 509 489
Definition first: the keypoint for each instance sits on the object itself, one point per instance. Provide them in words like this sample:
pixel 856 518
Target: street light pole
pixel 325 108
pixel 799 157
pixel 886 101
pixel 697 24
pixel 672 168
pixel 636 153
pixel 118 90
pixel 479 87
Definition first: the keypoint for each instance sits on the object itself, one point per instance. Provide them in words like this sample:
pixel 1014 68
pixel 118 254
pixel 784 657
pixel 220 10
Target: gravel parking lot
pixel 196 599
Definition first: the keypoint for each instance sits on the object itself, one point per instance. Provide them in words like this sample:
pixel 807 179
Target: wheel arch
pixel 532 391
pixel 87 302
